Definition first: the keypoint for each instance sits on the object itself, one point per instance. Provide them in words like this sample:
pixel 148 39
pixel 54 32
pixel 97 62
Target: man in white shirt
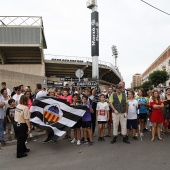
pixel 8 90
pixel 41 92
pixel 17 96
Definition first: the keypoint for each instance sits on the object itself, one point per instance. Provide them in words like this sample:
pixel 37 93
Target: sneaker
pixel 82 139
pixel 88 139
pixel 86 142
pixel 55 142
pixel 2 143
pixel 113 140
pixel 30 135
pixel 74 140
pixel 78 142
pixel 91 143
pixel 141 134
pixel 26 142
pixel 102 139
pixel 11 132
pixel 99 139
pixel 47 140
pixel 4 132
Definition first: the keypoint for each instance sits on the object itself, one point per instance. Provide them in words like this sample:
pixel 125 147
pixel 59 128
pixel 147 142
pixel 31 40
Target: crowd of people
pixel 116 108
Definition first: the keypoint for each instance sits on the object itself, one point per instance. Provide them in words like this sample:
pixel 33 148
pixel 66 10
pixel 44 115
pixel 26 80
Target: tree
pixel 158 77
pixel 146 85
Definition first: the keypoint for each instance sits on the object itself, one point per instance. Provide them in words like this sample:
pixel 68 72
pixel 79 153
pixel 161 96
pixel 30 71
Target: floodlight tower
pixel 115 54
pixel 92 4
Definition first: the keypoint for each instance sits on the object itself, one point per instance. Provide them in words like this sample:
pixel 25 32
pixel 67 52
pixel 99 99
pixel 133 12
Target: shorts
pixel 142 116
pixel 132 123
pixel 78 124
pixel 102 122
pixel 86 124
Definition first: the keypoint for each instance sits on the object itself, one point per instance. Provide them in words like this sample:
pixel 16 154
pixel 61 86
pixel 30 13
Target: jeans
pixel 1 129
pixel 5 122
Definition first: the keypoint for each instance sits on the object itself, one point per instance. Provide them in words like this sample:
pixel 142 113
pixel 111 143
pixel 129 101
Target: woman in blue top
pixel 143 104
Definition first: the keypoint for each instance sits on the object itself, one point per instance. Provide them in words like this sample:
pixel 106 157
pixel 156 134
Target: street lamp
pixel 114 53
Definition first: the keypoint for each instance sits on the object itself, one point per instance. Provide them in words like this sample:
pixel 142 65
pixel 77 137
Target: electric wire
pixel 155 8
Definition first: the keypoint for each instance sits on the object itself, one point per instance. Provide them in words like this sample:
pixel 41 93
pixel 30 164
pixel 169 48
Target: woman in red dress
pixel 157 115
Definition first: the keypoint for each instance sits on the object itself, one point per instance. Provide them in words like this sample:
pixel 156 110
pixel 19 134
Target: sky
pixel 140 32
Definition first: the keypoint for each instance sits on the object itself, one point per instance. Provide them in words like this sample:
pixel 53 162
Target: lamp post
pixel 92 4
pixel 115 54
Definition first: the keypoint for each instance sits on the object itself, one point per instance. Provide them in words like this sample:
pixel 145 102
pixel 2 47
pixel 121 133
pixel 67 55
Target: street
pixel 142 155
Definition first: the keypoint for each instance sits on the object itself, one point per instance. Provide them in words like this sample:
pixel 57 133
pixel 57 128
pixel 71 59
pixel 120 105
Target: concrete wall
pixel 33 69
pixel 13 78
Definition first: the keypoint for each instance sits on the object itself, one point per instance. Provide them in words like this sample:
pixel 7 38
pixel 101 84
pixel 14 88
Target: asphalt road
pixel 141 155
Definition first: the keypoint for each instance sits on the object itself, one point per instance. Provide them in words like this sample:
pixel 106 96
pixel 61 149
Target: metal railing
pixel 21 21
pixel 88 60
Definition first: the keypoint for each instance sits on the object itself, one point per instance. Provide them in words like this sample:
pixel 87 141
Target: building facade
pixel 136 80
pixel 161 63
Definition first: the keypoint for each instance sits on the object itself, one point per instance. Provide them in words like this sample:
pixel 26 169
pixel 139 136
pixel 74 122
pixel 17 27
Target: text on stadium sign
pixel 85 84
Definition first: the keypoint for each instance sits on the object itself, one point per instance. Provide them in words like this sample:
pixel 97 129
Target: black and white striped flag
pixel 55 115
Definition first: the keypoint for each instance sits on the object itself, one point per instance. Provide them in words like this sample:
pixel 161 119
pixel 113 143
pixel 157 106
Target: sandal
pixel 160 139
pixel 152 140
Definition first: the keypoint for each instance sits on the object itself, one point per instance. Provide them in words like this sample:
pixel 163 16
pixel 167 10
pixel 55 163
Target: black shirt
pixel 10 112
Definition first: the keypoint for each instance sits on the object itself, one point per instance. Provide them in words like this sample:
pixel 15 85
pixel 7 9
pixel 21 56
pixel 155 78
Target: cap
pixel 118 86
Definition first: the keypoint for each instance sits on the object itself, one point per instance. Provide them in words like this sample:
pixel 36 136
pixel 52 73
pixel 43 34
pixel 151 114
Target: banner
pixel 94 34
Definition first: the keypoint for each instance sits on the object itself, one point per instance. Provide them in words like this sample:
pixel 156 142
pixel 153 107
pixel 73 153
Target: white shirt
pixel 41 94
pixel 102 111
pixel 17 97
pixel 132 109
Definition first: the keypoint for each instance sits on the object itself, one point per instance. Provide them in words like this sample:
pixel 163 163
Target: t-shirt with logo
pixel 10 112
pixel 102 111
pixel 143 108
pixel 132 109
pixel 21 113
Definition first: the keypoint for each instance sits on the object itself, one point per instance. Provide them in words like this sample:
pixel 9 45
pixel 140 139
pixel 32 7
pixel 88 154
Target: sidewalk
pixel 36 134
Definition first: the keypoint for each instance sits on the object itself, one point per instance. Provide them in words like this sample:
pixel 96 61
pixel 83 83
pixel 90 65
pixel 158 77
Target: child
pixel 86 121
pixel 77 126
pixel 102 115
pixel 166 113
pixel 10 116
pixel 68 98
pixel 132 115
